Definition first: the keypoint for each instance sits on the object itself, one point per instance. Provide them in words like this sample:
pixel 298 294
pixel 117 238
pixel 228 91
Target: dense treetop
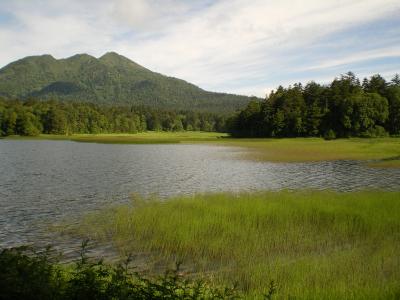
pixel 110 79
pixel 343 108
pixel 33 117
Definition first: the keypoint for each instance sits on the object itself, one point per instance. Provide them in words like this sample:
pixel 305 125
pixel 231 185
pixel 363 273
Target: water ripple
pixel 46 181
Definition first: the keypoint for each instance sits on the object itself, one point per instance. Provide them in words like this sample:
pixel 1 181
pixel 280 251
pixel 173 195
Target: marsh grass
pixel 148 137
pixel 380 150
pixel 316 149
pixel 314 245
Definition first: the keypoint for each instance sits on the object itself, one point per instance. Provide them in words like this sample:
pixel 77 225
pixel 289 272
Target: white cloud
pixel 357 57
pixel 227 45
pixel 233 39
pixel 149 14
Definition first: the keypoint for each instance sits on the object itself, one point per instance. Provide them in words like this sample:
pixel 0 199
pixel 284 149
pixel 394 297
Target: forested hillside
pixel 110 79
pixel 344 108
pixel 31 118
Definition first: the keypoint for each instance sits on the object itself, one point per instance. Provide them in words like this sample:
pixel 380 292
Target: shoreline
pixel 377 152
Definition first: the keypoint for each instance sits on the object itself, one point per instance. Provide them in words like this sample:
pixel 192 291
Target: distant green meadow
pixel 312 244
pixel 378 152
pixel 148 137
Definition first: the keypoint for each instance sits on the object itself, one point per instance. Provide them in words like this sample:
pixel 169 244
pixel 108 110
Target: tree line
pixel 346 107
pixel 32 117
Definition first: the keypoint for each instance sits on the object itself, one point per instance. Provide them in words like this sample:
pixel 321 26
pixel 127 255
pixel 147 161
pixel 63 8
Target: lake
pixel 42 182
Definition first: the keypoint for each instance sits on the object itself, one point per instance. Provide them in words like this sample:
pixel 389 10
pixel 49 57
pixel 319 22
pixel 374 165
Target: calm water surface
pixel 47 181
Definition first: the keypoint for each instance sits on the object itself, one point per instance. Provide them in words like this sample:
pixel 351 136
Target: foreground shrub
pixel 27 274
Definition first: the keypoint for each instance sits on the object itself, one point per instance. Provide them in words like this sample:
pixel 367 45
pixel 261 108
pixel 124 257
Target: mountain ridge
pixel 109 79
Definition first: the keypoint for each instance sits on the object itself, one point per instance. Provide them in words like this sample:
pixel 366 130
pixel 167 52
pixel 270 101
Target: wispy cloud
pixel 357 57
pixel 236 46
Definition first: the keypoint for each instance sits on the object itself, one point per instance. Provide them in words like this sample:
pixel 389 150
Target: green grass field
pixel 317 149
pixel 313 244
pixel 384 151
pixel 151 137
pixel 148 137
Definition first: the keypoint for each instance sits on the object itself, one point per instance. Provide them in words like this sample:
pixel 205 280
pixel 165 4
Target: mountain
pixel 110 79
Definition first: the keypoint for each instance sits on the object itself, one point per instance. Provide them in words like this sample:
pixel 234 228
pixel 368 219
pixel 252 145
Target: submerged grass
pixel 315 245
pixel 395 163
pixel 391 162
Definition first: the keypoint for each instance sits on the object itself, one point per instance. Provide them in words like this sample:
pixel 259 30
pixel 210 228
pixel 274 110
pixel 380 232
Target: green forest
pixel 32 117
pixel 344 108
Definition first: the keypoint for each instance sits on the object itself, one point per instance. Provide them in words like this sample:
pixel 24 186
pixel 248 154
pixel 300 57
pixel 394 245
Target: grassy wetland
pixel 379 152
pixel 385 151
pixel 313 244
pixel 148 137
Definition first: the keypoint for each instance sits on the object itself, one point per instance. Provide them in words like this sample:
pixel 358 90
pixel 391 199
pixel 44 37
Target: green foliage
pixel 393 96
pixel 374 132
pixel 27 124
pixel 111 79
pixel 30 118
pixel 26 274
pixel 330 135
pixel 55 121
pixel 25 277
pixel 344 108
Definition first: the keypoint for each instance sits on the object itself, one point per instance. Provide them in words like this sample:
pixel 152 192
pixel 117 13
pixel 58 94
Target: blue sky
pixel 236 46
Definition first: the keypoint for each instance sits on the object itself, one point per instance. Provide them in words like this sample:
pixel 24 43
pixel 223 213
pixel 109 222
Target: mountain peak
pixel 38 57
pixel 80 56
pixel 47 56
pixel 110 54
pixel 109 79
pixel 115 59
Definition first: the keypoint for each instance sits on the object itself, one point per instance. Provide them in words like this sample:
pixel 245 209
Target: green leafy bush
pixel 377 131
pixel 330 135
pixel 28 274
